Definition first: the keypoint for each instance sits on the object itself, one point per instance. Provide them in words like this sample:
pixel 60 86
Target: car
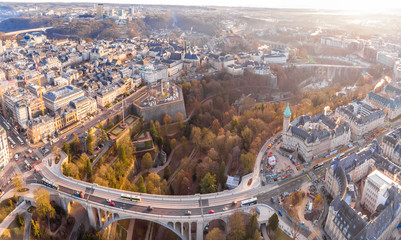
pixel 263 183
pixel 35 170
pixel 211 211
pixel 110 202
pixel 101 145
pixel 11 134
pixel 188 212
pixel 29 151
pixel 280 213
pixel 225 208
pixel 273 201
pixel 97 148
pixel 150 208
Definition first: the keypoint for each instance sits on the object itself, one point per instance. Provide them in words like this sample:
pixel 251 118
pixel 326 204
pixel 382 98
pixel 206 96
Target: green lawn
pixel 14 231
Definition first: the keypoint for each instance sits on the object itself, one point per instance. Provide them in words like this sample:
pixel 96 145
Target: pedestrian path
pixel 11 216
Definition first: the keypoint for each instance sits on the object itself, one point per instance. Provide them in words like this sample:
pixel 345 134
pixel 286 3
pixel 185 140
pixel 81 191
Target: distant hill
pixel 22 23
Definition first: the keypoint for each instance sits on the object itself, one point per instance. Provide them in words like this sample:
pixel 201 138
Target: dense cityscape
pixel 135 121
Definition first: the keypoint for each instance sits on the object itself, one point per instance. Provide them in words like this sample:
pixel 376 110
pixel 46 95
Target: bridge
pixel 168 211
pixel 43 29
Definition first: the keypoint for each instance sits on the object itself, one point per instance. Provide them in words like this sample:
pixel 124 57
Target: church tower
pixel 287 118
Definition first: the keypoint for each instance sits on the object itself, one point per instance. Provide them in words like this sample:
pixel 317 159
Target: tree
pixel 167 119
pixel 90 140
pixel 43 206
pixel 20 220
pixel 147 161
pixel 75 144
pixel 208 183
pixel 237 227
pixel 222 170
pixel 247 162
pixel 215 234
pixel 246 135
pixel 35 229
pixel 153 183
pixel 196 136
pixel 167 172
pixel 179 117
pixel 57 153
pixel 252 226
pixel 273 222
pixel 141 185
pixel 89 172
pixel 295 229
pixel 216 126
pixel 18 181
pixel 103 136
pixel 67 149
pixel 121 153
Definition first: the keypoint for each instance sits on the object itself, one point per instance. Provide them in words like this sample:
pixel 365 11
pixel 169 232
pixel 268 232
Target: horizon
pixel 340 5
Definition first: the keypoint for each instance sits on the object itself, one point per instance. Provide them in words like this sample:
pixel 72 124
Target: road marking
pixel 308 177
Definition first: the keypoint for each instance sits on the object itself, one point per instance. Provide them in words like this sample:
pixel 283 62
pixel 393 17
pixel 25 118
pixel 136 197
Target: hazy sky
pixel 362 5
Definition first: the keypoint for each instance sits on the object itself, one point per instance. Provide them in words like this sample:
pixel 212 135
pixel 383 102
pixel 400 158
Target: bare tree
pixel 295 229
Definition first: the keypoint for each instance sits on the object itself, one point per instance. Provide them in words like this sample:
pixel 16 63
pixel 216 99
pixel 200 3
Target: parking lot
pixel 26 160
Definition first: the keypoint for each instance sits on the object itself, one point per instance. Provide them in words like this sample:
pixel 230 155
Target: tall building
pixel 4 150
pixel 375 191
pixel 99 10
pixel 311 137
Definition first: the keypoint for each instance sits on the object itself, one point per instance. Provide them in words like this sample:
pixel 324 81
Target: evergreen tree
pixel 141 185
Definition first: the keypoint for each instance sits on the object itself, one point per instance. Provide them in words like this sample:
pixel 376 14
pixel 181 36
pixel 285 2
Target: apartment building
pixel 40 128
pixel 4 149
pixel 84 106
pixel 362 117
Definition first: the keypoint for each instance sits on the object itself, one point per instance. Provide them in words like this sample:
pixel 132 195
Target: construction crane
pixel 40 87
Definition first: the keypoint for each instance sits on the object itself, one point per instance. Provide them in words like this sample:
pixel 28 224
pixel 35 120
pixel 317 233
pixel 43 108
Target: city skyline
pixel 358 5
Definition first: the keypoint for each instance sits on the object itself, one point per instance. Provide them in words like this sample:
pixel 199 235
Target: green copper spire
pixel 287 111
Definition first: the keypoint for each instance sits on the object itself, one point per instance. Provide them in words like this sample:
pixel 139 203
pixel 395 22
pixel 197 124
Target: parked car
pixel 225 208
pixel 211 211
pixel 150 208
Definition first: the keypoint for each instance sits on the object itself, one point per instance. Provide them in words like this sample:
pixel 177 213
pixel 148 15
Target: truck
pixel 79 194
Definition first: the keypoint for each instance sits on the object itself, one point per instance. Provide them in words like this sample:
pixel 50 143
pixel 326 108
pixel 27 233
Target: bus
pixel 248 202
pixel 317 166
pixel 49 184
pixel 128 197
pixel 11 140
pixel 20 140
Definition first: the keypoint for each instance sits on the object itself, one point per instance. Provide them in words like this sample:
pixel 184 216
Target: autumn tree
pixel 67 149
pixel 246 135
pixel 147 161
pixel 75 144
pixel 179 117
pixel 103 138
pixel 215 234
pixel 18 181
pixel 42 201
pixel 196 136
pixel 208 184
pixel 57 153
pixel 167 119
pixel 237 227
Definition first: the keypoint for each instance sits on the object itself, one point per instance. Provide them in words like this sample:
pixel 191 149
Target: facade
pixel 314 136
pixel 352 168
pixel 389 99
pixel 21 106
pixel 99 10
pixel 107 95
pixel 275 58
pixel 84 106
pixel 375 191
pixel 4 149
pixel 343 221
pixel 397 71
pixel 362 117
pixel 154 74
pixel 40 128
pixel 387 59
pixel 62 97
pixel 391 145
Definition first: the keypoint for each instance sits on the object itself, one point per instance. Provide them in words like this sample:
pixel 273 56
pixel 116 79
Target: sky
pixel 358 5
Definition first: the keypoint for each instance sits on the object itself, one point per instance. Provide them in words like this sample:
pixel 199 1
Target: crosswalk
pixel 314 234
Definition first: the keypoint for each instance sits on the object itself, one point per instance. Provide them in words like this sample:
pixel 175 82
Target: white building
pixel 386 58
pixel 376 190
pixel 153 74
pixel 4 150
